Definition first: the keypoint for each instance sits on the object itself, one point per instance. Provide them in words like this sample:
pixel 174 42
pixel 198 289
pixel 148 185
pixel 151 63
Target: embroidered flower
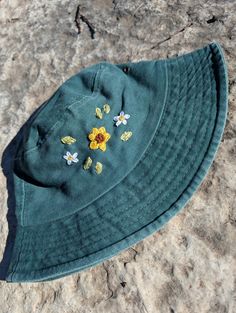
pixel 98 138
pixel 121 118
pixel 71 157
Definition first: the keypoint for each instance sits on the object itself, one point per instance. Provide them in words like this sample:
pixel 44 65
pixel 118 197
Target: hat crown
pixel 57 143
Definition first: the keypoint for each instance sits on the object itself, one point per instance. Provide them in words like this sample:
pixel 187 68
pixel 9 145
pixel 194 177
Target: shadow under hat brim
pixel 165 178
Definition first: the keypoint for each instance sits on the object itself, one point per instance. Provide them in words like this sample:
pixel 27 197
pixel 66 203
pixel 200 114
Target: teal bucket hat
pixel 114 154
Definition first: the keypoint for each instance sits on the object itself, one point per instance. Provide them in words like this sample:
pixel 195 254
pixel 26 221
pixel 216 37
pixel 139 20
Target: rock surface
pixel 190 265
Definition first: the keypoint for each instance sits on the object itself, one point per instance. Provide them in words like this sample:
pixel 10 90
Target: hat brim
pixel 165 178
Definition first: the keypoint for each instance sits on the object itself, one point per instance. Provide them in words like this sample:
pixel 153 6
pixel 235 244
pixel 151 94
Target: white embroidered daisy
pixel 71 157
pixel 121 118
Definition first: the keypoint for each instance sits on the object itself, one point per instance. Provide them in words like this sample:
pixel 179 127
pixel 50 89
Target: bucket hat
pixel 116 152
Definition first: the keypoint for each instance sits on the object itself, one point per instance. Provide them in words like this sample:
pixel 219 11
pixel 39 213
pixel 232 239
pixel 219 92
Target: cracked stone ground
pixel 188 266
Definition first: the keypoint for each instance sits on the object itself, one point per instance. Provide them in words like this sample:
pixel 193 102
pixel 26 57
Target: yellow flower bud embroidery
pixel 99 113
pixel 68 140
pixel 98 168
pixel 126 136
pixel 87 164
pixel 106 108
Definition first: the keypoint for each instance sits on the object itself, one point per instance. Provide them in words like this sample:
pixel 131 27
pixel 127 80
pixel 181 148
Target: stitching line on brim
pixel 215 132
pixel 184 140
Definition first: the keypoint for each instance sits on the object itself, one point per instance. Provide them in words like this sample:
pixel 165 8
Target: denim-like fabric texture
pixel 40 157
pixel 70 219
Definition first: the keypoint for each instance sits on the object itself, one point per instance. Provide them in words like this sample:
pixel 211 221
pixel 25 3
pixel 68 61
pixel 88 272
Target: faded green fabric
pixel 70 219
pixel 40 158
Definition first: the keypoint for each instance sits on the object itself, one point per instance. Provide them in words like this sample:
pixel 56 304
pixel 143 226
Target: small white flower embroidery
pixel 71 157
pixel 121 118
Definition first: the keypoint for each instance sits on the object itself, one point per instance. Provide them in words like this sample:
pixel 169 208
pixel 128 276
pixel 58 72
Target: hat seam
pixel 14 269
pixel 55 126
pixel 152 143
pixel 78 99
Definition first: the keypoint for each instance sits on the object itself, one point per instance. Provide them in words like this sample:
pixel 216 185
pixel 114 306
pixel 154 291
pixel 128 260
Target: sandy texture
pixel 190 265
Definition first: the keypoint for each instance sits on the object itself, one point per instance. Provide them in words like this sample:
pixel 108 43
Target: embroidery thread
pixel 70 158
pixel 98 168
pixel 126 136
pixel 99 113
pixel 99 138
pixel 68 140
pixel 88 163
pixel 121 118
pixel 106 108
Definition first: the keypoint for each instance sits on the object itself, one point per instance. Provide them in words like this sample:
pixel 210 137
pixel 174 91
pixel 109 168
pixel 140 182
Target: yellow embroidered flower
pixel 99 138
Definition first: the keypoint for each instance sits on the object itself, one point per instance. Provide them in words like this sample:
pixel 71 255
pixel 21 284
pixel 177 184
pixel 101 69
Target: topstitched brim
pixel 168 173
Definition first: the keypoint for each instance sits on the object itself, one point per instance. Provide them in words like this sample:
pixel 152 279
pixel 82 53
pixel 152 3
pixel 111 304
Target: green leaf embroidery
pixel 99 113
pixel 87 164
pixel 68 140
pixel 126 136
pixel 106 108
pixel 98 168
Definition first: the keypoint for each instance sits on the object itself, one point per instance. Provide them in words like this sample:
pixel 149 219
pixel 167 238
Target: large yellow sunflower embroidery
pixel 99 138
